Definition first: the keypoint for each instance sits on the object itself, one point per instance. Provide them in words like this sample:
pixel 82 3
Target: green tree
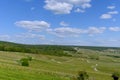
pixel 24 62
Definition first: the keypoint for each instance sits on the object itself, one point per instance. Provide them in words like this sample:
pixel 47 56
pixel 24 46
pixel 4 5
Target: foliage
pixel 115 75
pixel 82 75
pixel 24 61
pixel 56 50
pixel 36 49
pixel 96 57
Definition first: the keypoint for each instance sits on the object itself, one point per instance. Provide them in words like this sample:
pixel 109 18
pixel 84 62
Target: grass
pixel 46 67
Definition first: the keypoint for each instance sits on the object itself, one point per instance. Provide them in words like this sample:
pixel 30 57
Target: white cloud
pixel 113 12
pixel 75 32
pixel 66 6
pixel 64 24
pixel 111 7
pixel 109 15
pixel 79 10
pixel 33 25
pixel 58 7
pixel 86 5
pixel 66 32
pixel 106 16
pixel 95 30
pixel 114 29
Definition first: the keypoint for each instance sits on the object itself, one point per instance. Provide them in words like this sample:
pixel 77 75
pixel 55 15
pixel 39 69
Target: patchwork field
pixel 46 67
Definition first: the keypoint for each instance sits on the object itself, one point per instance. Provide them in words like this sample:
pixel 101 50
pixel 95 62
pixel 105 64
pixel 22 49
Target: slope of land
pixel 99 64
pixel 46 67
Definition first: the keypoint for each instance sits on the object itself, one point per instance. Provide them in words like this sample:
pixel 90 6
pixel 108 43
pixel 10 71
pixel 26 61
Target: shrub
pixel 24 62
pixel 95 57
pixel 116 75
pixel 82 75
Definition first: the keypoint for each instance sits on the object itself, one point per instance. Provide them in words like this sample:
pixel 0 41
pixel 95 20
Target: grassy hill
pixel 46 67
pixel 57 50
pixel 99 64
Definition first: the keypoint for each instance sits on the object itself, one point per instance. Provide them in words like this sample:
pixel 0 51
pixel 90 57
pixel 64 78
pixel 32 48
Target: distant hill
pixel 35 49
pixel 98 48
pixel 56 50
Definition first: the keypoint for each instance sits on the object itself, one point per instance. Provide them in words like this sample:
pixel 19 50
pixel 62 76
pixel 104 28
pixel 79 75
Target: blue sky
pixel 64 22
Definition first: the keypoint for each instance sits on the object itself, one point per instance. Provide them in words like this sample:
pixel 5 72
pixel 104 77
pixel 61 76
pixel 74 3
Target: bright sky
pixel 64 22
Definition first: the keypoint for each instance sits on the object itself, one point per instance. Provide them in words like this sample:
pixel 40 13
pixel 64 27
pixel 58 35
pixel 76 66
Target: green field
pixel 49 67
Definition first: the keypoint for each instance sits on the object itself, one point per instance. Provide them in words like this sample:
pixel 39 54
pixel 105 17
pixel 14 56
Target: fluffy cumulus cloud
pixel 108 15
pixel 58 7
pixel 66 6
pixel 75 32
pixel 95 30
pixel 33 25
pixel 116 29
pixel 65 31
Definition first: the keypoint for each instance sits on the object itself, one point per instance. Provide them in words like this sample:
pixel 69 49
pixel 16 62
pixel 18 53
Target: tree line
pixel 36 49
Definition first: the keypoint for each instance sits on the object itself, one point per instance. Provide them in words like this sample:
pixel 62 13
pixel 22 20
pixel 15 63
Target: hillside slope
pixel 46 67
pixel 36 49
pixel 57 50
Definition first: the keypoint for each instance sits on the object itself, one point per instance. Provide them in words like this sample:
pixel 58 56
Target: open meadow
pixel 49 67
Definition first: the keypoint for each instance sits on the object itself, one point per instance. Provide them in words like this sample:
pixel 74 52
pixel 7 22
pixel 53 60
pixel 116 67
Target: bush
pixel 116 75
pixel 82 75
pixel 24 62
pixel 95 57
